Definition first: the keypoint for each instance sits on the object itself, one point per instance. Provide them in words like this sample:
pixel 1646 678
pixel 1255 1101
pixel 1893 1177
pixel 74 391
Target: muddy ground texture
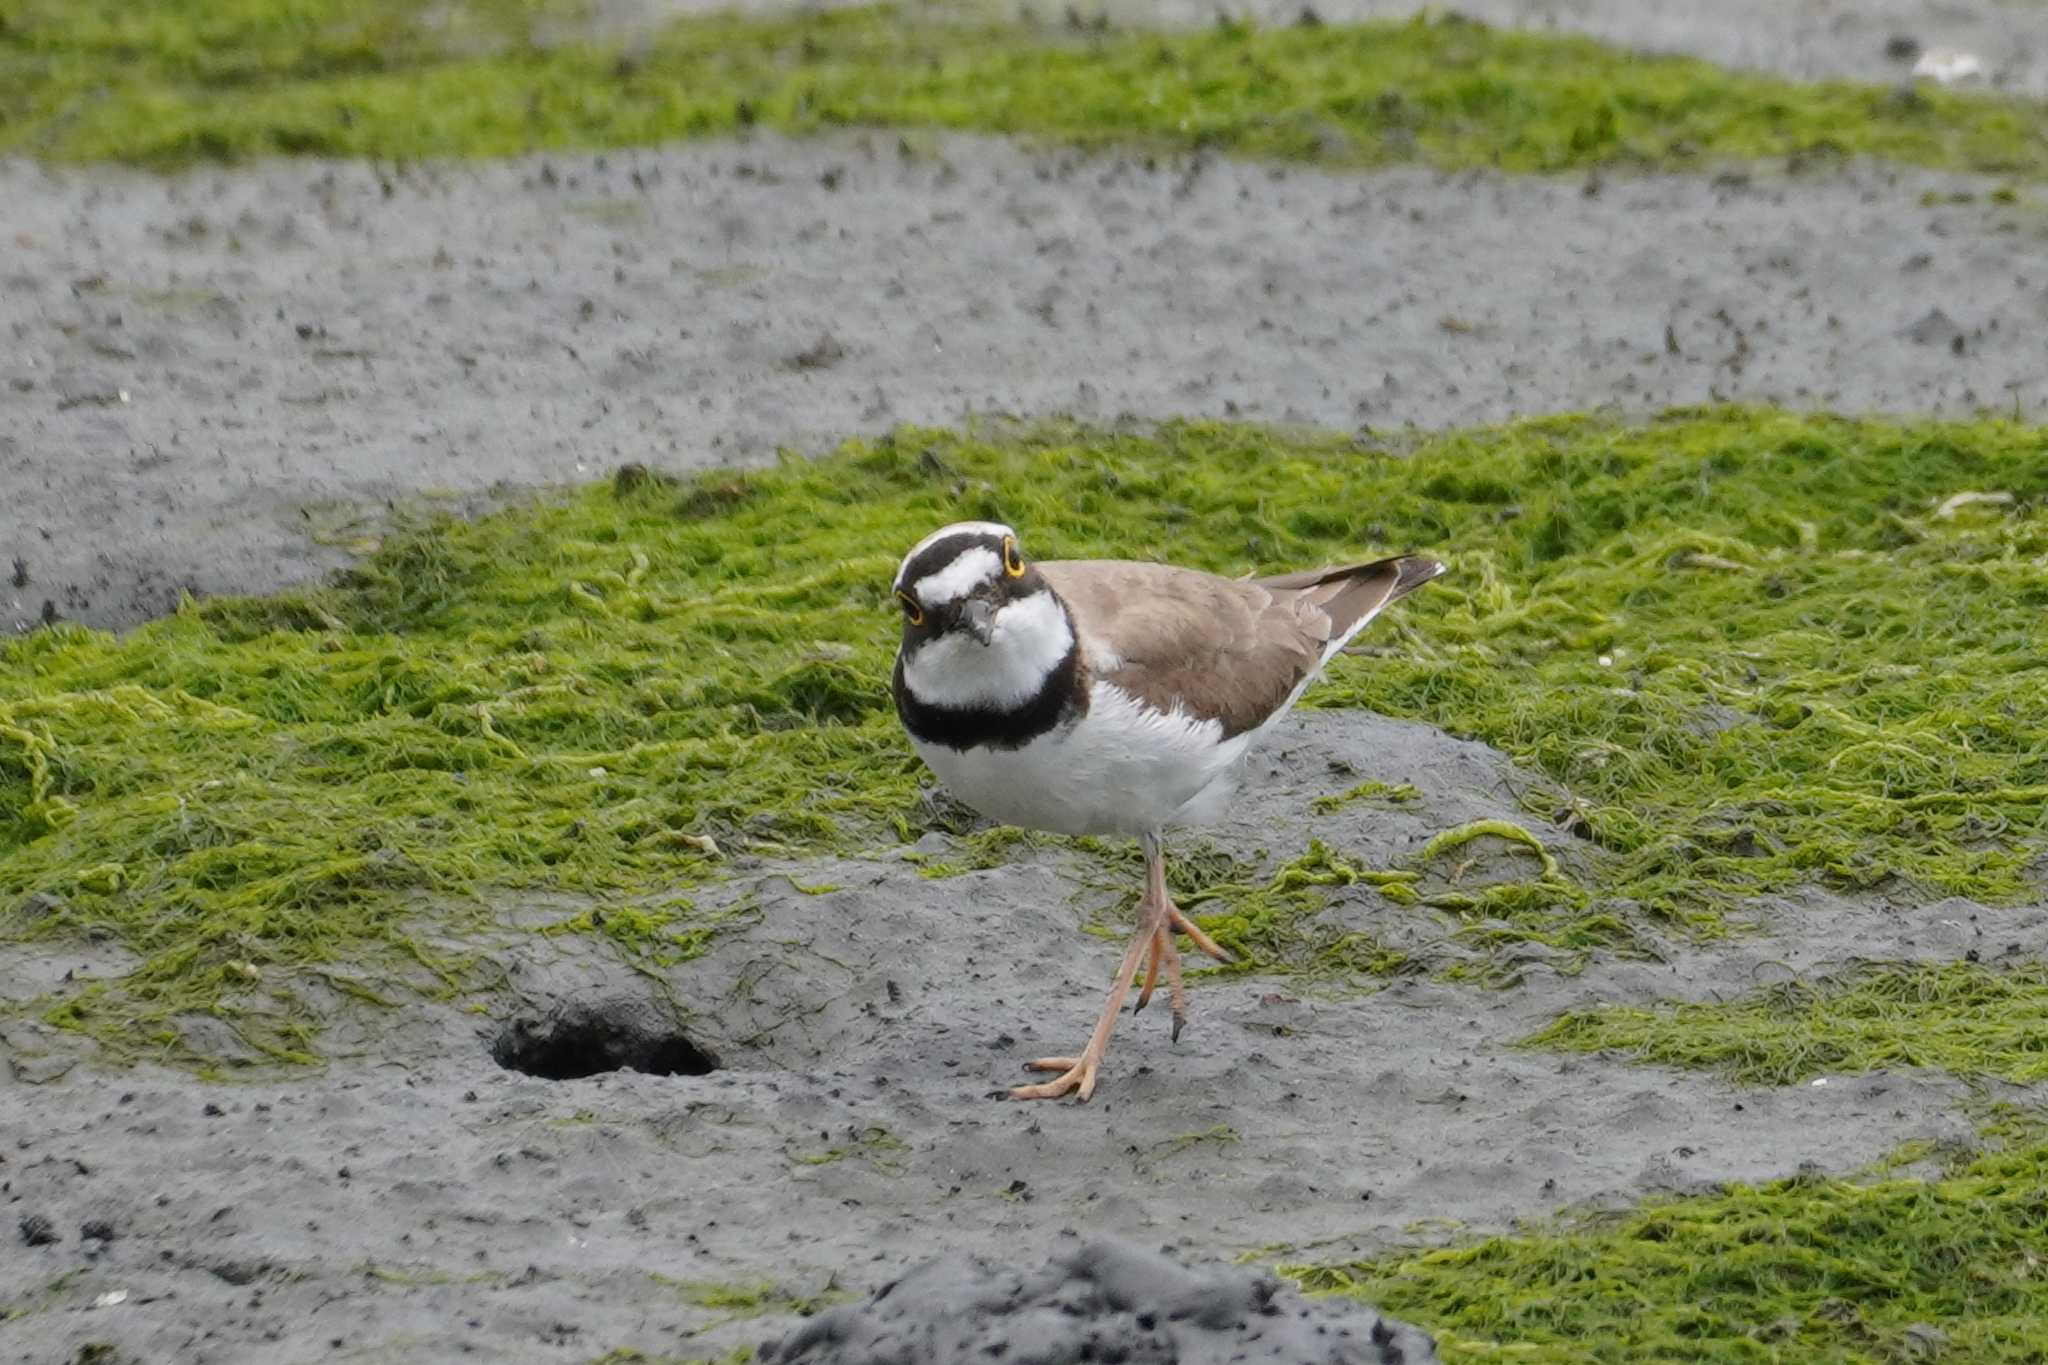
pixel 214 382
pixel 419 1198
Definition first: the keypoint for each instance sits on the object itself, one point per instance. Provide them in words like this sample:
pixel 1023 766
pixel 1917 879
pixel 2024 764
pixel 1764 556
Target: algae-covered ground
pixel 1709 638
pixel 638 732
pixel 1808 1269
pixel 170 83
pixel 1639 932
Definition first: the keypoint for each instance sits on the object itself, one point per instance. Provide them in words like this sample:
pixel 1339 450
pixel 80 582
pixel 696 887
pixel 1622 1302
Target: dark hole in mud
pixel 576 1041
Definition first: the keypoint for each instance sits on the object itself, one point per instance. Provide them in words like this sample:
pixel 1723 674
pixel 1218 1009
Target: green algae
pixel 1815 1270
pixel 652 938
pixel 1396 793
pixel 740 1300
pixel 746 1298
pixel 1272 925
pixel 979 851
pixel 1267 922
pixel 199 80
pixel 1277 924
pixel 1959 1017
pixel 877 1146
pixel 612 692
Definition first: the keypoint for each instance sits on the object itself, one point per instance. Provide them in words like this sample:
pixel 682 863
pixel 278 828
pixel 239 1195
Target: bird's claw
pixel 1075 1073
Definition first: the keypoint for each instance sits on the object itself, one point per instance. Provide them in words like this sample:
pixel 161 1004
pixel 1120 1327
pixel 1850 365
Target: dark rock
pixel 1099 1300
pixel 821 354
pixel 1936 328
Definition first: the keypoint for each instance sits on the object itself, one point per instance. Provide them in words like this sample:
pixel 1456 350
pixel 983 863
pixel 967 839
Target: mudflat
pixel 219 379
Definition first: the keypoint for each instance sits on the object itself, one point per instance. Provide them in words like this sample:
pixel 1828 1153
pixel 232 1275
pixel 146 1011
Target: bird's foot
pixel 1194 931
pixel 1076 1073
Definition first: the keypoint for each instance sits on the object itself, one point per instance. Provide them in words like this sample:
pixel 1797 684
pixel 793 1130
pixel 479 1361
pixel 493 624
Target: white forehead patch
pixel 971 568
pixel 976 529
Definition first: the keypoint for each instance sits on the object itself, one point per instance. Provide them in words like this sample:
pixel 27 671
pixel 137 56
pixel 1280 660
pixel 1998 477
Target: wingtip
pixel 1412 571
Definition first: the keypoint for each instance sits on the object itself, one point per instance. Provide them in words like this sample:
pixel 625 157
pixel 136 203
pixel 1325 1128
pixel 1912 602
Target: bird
pixel 1111 697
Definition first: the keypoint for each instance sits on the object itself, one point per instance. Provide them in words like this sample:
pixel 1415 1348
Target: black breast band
pixel 968 727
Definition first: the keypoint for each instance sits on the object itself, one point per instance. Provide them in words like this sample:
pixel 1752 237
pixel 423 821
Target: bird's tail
pixel 1411 572
pixel 1353 595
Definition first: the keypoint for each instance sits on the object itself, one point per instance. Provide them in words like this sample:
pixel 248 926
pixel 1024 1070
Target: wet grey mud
pixel 218 382
pixel 415 1198
pixel 1098 1301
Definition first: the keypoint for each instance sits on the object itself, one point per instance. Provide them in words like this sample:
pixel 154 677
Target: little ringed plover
pixel 1111 697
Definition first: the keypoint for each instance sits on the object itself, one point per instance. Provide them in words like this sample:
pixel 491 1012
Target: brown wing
pixel 1232 650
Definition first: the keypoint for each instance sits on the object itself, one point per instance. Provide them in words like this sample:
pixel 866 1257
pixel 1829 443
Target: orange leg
pixel 1152 942
pixel 1078 1073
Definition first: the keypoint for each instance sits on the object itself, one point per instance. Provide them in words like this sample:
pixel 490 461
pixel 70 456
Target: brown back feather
pixel 1231 650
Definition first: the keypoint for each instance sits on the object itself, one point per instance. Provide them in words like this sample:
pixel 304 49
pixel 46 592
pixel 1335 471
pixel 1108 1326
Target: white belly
pixel 1123 768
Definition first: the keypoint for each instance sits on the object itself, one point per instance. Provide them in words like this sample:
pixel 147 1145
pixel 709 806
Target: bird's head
pixel 981 625
pixel 960 579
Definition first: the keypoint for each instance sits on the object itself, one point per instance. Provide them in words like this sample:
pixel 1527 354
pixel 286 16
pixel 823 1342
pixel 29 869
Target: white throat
pixel 1029 639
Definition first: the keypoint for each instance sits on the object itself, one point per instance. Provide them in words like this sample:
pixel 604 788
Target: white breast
pixel 1123 768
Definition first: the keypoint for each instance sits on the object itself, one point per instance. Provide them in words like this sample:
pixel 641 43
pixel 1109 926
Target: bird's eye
pixel 1013 563
pixel 910 608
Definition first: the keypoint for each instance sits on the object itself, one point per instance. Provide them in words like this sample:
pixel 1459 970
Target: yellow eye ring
pixel 911 609
pixel 1013 564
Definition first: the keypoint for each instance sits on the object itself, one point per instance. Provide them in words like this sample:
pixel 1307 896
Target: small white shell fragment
pixel 1948 65
pixel 1819 1081
pixel 1958 501
pixel 1607 661
pixel 111 1298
